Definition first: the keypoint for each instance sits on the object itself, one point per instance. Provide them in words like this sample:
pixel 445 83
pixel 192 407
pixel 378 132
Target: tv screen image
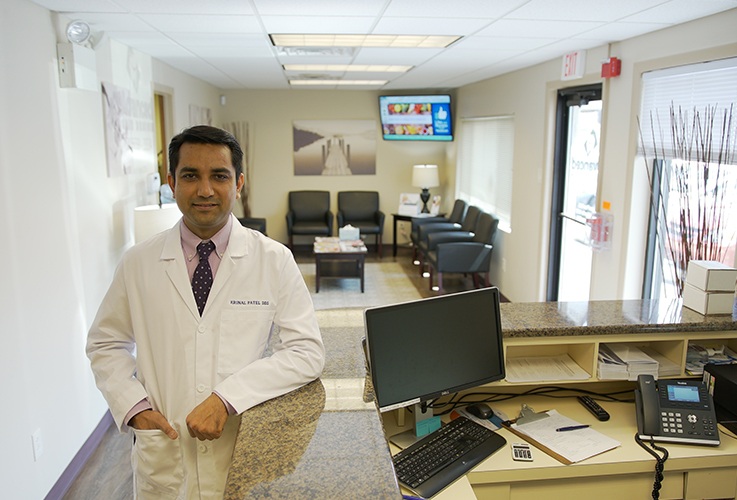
pixel 416 118
pixel 424 349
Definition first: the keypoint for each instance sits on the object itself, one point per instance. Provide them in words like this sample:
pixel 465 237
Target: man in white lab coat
pixel 180 378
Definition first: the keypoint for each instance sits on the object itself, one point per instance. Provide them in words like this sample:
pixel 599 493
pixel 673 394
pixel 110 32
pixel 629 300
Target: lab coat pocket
pixel 243 338
pixel 157 466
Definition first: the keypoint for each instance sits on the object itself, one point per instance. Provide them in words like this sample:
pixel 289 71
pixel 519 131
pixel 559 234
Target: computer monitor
pixel 424 349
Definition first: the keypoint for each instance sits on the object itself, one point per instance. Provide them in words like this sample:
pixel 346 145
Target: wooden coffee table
pixel 334 254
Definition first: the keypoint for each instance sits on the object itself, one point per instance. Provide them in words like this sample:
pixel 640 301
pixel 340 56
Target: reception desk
pixel 297 446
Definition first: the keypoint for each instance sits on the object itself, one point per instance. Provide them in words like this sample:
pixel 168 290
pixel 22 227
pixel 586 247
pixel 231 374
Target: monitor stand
pixel 408 438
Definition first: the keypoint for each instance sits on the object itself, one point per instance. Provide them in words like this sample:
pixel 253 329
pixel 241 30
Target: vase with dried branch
pixel 693 182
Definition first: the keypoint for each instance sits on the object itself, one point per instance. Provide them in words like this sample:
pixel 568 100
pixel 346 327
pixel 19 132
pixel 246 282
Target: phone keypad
pixel 673 422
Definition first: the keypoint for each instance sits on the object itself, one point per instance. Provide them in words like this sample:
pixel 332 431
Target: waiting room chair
pixel 463 232
pixel 309 214
pixel 456 217
pixel 361 209
pixel 257 223
pixel 468 257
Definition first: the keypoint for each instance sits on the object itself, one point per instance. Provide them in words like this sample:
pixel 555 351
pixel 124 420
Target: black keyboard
pixel 441 457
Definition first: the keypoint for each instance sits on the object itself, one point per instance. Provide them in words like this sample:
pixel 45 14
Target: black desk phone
pixel 675 411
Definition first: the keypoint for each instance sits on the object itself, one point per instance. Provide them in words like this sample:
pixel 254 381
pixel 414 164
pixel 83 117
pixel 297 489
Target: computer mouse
pixel 480 410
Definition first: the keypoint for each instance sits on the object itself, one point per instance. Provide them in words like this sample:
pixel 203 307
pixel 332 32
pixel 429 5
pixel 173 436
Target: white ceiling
pixel 226 42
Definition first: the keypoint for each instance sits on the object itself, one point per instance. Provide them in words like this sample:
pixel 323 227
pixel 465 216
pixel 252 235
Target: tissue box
pixel 705 302
pixel 711 276
pixel 348 233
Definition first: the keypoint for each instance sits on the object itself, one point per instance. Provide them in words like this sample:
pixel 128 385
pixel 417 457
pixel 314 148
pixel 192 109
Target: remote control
pixel 591 405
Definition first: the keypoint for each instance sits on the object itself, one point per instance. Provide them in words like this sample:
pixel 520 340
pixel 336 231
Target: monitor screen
pixel 416 117
pixel 424 349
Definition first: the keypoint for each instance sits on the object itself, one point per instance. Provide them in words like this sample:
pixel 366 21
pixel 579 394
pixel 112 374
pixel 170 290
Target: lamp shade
pixel 149 220
pixel 425 176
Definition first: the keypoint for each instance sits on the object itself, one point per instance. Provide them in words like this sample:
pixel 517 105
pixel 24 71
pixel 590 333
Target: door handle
pixel 564 216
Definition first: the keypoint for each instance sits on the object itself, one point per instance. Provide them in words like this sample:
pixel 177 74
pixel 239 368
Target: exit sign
pixel 574 64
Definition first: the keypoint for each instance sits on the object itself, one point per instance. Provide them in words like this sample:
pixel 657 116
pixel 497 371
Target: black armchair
pixel 456 216
pixel 463 231
pixel 469 257
pixel 309 214
pixel 360 209
pixel 257 223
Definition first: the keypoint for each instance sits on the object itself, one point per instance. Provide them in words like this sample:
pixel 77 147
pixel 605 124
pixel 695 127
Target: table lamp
pixel 425 177
pixel 149 220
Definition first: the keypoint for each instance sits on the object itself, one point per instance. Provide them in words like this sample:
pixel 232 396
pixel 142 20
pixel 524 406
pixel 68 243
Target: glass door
pixel 575 184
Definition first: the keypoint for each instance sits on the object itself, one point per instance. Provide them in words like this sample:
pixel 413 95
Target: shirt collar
pixel 191 240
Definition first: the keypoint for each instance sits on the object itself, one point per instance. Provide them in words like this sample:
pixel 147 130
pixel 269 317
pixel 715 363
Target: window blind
pixel 691 88
pixel 484 175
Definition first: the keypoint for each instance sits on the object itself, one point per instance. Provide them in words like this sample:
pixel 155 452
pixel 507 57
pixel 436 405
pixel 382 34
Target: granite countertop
pixel 290 447
pixel 607 317
pixel 297 446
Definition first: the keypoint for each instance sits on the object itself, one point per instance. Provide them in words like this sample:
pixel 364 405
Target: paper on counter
pixel 574 446
pixel 543 369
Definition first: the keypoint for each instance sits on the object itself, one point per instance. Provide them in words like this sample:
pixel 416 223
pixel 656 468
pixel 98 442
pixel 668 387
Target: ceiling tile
pixel 190 23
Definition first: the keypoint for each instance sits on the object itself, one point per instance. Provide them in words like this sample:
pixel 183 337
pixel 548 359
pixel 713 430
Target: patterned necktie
pixel 202 278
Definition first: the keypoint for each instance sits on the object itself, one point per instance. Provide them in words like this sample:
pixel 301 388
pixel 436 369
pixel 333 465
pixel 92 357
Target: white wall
pixel 65 224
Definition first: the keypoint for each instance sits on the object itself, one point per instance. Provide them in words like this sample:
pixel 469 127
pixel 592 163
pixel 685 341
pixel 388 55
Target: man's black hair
pixel 205 134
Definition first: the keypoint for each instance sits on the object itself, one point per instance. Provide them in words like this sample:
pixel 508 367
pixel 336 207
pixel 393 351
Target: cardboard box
pixel 705 302
pixel 711 276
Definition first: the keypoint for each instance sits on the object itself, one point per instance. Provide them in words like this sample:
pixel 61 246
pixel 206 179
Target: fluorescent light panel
pixel 395 41
pixel 337 82
pixel 379 68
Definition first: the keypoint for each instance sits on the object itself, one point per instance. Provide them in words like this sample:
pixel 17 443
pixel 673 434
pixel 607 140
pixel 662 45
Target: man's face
pixel 205 187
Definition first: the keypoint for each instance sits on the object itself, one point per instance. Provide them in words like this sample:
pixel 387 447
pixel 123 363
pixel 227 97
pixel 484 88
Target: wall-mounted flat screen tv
pixel 416 117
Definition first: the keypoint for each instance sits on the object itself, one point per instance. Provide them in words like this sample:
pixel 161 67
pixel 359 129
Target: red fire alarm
pixel 611 67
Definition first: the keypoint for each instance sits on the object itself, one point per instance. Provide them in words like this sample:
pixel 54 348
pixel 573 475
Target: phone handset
pixel 648 405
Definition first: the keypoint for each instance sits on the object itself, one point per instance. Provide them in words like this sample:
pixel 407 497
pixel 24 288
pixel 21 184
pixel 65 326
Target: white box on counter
pixel 349 233
pixel 711 276
pixel 705 302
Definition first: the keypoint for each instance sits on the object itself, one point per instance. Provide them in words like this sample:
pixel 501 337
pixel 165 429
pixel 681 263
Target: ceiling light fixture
pixel 378 68
pixel 337 82
pixel 78 32
pixel 333 40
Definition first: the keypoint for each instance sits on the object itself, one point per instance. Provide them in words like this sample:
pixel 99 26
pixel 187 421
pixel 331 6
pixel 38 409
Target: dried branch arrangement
pixel 691 180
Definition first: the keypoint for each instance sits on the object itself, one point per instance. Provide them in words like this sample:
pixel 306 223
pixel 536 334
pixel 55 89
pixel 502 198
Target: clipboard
pixel 507 424
pixel 566 447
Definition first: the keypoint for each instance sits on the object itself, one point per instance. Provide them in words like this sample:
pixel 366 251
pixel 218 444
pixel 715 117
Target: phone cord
pixel 659 466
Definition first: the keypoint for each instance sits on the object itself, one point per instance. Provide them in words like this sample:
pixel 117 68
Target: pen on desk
pixel 571 428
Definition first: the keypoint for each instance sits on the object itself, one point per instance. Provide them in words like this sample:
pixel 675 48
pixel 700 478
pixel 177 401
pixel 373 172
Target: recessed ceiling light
pixel 379 68
pixel 328 40
pixel 315 51
pixel 337 82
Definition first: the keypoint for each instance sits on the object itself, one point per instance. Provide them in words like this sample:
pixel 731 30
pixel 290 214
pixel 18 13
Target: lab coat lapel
pixel 172 258
pixel 237 248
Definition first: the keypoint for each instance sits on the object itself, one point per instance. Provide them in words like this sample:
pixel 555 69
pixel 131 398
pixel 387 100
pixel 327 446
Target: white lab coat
pixel 149 341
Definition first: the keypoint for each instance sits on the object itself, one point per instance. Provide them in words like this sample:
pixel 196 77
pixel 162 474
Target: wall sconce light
pixel 425 177
pixel 78 32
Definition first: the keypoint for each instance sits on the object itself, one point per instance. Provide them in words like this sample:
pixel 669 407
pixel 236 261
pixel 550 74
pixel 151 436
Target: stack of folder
pixel 625 362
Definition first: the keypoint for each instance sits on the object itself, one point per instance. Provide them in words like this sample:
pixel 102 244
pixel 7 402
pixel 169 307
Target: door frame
pixel 567 97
